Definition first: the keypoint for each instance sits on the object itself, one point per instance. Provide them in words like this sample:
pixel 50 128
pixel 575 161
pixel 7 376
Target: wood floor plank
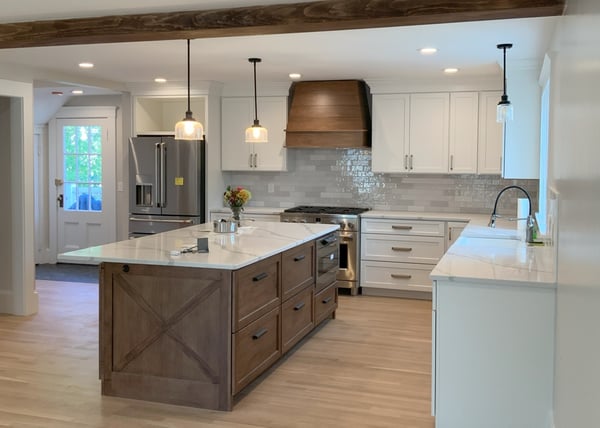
pixel 370 367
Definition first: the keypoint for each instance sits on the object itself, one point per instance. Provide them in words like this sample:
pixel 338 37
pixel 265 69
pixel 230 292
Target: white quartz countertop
pixel 415 215
pixel 226 250
pixel 496 256
pixel 250 210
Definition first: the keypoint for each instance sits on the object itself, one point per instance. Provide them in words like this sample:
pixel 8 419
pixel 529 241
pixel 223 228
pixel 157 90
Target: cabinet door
pixel 455 228
pixel 489 146
pixel 391 115
pixel 236 115
pixel 463 132
pixel 272 114
pixel 429 119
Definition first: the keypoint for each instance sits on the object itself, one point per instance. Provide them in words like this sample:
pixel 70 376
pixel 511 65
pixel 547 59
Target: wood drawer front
pixel 409 249
pixel 325 303
pixel 395 276
pixel 255 348
pixel 296 318
pixel 256 290
pixel 298 267
pixel 404 227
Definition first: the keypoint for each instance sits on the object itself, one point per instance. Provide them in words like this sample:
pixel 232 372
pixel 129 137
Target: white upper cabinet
pixel 489 148
pixel 390 126
pixel 237 114
pixel 428 136
pixel 462 143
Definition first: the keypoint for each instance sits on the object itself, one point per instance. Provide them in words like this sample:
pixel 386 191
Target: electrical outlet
pixel 270 188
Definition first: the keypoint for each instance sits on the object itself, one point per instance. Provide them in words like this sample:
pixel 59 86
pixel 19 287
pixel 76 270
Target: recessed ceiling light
pixel 450 70
pixel 160 80
pixel 295 76
pixel 427 51
pixel 77 92
pixel 86 65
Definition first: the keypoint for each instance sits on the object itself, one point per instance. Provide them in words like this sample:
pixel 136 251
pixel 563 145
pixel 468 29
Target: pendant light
pixel 188 128
pixel 504 111
pixel 256 133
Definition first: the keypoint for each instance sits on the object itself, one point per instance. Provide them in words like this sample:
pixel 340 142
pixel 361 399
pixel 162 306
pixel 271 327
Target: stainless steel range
pixel 349 236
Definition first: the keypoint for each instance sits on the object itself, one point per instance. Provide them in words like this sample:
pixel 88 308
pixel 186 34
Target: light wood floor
pixel 370 367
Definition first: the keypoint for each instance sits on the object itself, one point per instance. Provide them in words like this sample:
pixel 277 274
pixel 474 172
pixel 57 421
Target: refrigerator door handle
pixel 163 175
pixel 154 220
pixel 156 174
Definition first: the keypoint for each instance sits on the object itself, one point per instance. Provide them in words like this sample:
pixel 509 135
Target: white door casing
pixel 88 215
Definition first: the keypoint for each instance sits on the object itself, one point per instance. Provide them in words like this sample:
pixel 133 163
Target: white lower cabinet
pixel 399 254
pixel 493 354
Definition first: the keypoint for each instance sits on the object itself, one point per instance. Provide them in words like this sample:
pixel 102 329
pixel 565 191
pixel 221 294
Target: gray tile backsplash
pixel 343 177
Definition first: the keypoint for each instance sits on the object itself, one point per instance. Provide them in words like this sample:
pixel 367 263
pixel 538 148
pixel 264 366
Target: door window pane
pixel 82 165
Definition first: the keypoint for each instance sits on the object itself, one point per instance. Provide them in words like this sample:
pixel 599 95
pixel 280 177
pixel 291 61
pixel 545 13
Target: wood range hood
pixel 328 114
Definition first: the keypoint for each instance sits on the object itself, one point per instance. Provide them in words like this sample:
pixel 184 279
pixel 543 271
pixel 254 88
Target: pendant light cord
pixel 504 69
pixel 188 76
pixel 255 100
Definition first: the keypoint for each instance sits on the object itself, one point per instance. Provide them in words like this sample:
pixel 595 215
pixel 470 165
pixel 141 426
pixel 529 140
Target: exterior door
pixel 85 182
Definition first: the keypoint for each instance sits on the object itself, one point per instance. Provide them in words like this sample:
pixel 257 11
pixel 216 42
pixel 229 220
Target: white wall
pixel 575 173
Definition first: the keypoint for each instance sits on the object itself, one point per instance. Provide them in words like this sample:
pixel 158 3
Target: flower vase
pixel 235 214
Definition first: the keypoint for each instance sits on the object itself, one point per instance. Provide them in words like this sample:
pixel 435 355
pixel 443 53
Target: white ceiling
pixel 384 53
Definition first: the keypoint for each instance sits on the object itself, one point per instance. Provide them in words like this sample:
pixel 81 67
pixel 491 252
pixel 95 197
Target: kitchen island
pixel 190 328
pixel 493 331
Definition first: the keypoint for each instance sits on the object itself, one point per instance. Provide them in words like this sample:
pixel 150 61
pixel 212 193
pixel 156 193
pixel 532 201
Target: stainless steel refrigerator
pixel 166 184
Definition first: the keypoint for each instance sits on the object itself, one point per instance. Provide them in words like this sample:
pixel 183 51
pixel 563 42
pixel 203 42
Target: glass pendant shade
pixel 256 133
pixel 188 128
pixel 504 111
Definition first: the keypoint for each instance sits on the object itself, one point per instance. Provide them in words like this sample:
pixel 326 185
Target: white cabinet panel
pixel 489 146
pixel 390 125
pixel 462 144
pixel 394 276
pixel 429 118
pixel 403 227
pixel 398 248
pixel 237 113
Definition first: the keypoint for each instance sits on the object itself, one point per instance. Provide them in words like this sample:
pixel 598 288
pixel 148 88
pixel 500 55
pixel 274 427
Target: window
pixel 544 143
pixel 82 154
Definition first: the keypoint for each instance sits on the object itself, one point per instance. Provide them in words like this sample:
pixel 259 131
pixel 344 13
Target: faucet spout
pixel 531 221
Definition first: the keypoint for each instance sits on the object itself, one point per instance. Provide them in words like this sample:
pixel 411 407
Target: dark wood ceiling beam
pixel 284 18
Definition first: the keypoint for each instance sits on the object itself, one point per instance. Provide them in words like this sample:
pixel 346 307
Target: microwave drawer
pixel 407 249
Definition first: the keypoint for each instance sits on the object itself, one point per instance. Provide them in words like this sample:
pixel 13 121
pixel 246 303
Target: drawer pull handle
pixel 259 333
pixel 327 300
pixel 400 276
pixel 300 257
pixel 299 306
pixel 396 227
pixel 260 276
pixel 401 249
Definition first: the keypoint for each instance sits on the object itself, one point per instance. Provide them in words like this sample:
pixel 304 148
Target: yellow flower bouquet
pixel 235 199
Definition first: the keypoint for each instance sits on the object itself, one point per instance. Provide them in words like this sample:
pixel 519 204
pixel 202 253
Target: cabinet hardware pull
pixel 410 163
pixel 327 300
pixel 125 268
pixel 451 162
pixel 255 160
pixel 395 227
pixel 400 276
pixel 449 234
pixel 250 160
pixel 259 333
pixel 402 249
pixel 299 306
pixel 300 257
pixel 260 276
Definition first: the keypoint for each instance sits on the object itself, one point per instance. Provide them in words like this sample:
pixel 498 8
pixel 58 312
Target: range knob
pixel 350 225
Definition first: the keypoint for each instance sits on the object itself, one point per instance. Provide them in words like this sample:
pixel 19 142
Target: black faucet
pixel 532 226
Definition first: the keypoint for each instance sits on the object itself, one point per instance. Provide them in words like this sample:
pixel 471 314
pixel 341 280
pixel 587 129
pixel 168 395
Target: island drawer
pixel 256 290
pixel 404 227
pixel 255 348
pixel 396 276
pixel 411 249
pixel 325 303
pixel 296 318
pixel 298 267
